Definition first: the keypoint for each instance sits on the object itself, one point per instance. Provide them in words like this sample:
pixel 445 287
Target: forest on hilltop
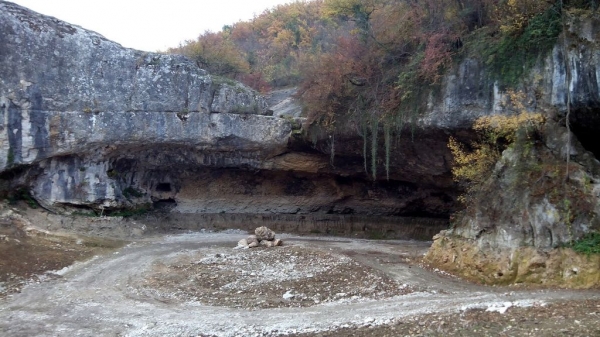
pixel 375 61
pixel 377 55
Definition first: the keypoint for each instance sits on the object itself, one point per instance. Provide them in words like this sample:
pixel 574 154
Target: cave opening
pixel 163 187
pixel 585 123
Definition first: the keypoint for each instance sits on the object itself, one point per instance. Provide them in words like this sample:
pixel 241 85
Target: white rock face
pixel 78 111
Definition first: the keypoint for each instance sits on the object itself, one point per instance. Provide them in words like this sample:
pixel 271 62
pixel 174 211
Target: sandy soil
pixel 196 284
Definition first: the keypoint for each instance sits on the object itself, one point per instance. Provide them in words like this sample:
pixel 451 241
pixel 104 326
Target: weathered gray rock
pixel 536 207
pixel 252 239
pixel 522 216
pixel 51 65
pixel 43 134
pixel 65 90
pixel 467 93
pixel 76 103
pixel 243 243
pixel 517 220
pixel 264 237
pixel 264 233
pixel 283 103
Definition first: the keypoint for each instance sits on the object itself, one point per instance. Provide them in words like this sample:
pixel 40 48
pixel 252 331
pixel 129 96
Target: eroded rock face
pixel 533 205
pixel 65 90
pixel 74 104
pixel 467 93
pixel 535 201
pixel 51 65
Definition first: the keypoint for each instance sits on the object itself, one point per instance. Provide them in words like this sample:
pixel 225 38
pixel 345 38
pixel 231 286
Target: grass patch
pixel 130 192
pixel 511 55
pixel 141 210
pixel 22 194
pixel 588 244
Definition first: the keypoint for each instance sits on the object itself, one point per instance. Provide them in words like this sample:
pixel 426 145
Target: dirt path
pixel 112 295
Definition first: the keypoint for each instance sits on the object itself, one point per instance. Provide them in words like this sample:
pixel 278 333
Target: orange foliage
pixel 437 56
pixel 327 87
pixel 372 56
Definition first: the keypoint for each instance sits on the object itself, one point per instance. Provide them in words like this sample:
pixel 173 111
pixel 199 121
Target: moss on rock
pixel 473 260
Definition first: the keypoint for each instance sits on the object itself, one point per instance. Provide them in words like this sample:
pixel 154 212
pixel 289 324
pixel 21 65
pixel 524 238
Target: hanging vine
pixel 387 138
pixel 332 150
pixel 374 134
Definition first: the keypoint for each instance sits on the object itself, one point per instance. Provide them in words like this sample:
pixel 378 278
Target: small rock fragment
pixel 242 243
pixel 263 236
pixel 251 239
pixel 288 295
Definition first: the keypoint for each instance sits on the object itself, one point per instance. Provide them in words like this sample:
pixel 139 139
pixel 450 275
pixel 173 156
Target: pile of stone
pixel 263 236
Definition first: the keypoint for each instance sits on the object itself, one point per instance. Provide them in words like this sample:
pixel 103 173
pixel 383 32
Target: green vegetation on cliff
pixel 589 244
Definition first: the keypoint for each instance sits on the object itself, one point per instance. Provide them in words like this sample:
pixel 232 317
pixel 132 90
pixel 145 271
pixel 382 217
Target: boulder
pixel 263 237
pixel 264 233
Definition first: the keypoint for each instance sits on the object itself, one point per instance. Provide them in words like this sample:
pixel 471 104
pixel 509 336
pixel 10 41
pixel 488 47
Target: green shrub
pixel 132 192
pixel 588 244
pixel 24 195
pixel 514 55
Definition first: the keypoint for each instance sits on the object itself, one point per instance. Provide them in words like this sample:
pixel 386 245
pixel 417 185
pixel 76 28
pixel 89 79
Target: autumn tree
pixel 216 53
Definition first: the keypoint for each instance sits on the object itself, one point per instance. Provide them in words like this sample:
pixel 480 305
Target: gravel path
pixel 102 297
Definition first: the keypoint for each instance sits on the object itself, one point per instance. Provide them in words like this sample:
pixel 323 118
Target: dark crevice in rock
pixel 164 204
pixel 163 187
pixel 585 123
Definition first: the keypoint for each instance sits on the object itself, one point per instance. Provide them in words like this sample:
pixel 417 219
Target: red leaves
pixel 328 85
pixel 437 55
pixel 256 81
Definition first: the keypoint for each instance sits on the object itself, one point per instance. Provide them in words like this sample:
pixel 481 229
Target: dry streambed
pixel 198 285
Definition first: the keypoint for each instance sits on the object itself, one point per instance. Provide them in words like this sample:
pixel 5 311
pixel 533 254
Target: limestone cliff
pixel 92 125
pixel 71 95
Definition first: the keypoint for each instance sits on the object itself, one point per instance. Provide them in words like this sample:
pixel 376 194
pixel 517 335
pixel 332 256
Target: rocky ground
pixel 197 284
pixel 290 276
pixel 30 255
pixel 564 318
